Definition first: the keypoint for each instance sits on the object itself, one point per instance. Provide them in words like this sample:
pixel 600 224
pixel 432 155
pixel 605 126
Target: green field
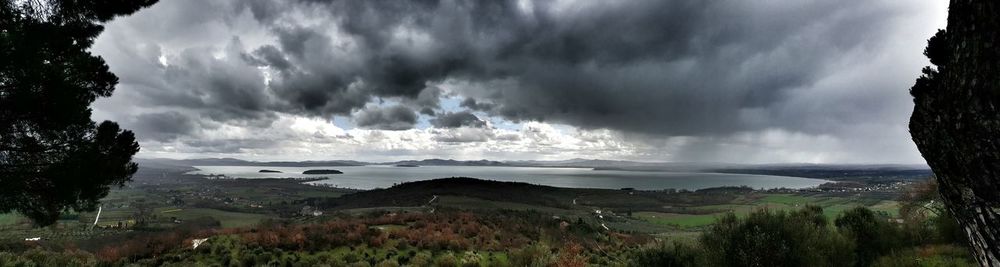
pixel 9 219
pixel 228 219
pixel 676 219
pixel 787 199
pixel 705 215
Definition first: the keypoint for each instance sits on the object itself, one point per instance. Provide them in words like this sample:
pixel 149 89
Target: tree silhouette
pixel 53 158
pixel 956 120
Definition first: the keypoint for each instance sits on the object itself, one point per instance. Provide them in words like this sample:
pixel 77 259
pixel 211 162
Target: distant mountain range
pixel 798 170
pixel 445 162
pixel 239 162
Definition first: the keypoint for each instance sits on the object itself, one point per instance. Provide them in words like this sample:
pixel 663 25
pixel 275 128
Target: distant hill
pixel 448 162
pixel 324 171
pixel 621 165
pixel 882 173
pixel 162 172
pixel 239 162
pixel 854 172
pixel 419 193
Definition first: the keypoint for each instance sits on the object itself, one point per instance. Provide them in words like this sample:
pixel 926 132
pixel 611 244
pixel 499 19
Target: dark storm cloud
pixel 391 118
pixel 428 111
pixel 457 119
pixel 471 103
pixel 709 70
pixel 664 67
pixel 220 85
pixel 269 55
pixel 164 126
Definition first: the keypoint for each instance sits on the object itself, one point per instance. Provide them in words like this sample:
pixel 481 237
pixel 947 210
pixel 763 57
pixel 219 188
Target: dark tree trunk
pixel 956 120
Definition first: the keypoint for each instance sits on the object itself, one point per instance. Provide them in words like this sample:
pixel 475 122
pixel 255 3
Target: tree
pixel 668 255
pixel 873 236
pixel 919 199
pixel 766 238
pixel 53 158
pixel 920 203
pixel 533 255
pixel 956 120
pixel 143 212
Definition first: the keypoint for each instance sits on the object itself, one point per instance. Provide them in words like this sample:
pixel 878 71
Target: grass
pixel 677 219
pixel 10 219
pixel 787 199
pixel 929 255
pixel 887 206
pixel 832 207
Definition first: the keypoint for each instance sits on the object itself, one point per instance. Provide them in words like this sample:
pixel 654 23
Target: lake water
pixel 376 176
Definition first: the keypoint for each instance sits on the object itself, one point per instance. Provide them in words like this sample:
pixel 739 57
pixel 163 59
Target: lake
pixel 379 176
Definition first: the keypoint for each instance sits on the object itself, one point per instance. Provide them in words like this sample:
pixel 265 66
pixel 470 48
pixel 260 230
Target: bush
pixel 872 234
pixel 421 259
pixel 534 255
pixel 766 238
pixel 38 257
pixel 668 255
pixel 948 230
pixel 447 260
pixel 933 255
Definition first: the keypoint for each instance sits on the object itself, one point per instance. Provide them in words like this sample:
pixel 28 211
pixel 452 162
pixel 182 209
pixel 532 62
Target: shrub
pixel 534 255
pixel 766 238
pixel 668 255
pixel 872 234
pixel 933 255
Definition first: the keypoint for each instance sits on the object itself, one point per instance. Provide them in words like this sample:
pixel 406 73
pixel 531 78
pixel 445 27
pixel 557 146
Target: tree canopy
pixel 53 157
pixel 956 121
pixel 766 238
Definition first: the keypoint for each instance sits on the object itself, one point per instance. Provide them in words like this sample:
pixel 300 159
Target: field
pixel 226 218
pixel 701 216
pixel 9 219
pixel 677 219
pixel 437 222
pixel 241 203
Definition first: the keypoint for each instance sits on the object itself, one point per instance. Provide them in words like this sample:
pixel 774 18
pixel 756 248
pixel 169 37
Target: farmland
pixel 242 203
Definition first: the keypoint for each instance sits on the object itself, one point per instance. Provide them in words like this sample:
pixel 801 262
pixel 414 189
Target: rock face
pixel 956 120
pixel 322 172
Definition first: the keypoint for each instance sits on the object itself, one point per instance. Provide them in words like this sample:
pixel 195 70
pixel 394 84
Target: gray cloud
pixel 164 126
pixel 391 118
pixel 457 119
pixel 669 67
pixel 712 69
pixel 464 135
pixel 471 103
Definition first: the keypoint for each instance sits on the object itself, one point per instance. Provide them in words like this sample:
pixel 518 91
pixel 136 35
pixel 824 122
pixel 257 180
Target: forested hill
pixel 420 192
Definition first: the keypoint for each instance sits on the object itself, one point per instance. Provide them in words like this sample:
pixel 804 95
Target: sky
pixel 768 81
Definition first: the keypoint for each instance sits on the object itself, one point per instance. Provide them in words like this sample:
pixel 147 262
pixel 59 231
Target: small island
pixel 407 165
pixel 322 172
pixel 269 171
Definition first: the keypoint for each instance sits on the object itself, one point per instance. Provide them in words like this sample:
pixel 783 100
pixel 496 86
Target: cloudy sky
pixel 769 81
